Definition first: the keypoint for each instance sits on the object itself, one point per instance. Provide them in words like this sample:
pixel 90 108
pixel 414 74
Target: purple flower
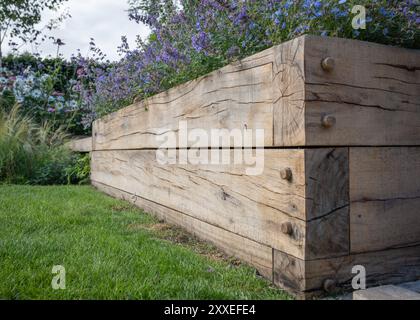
pixel 219 30
pixel 233 51
pixel 200 41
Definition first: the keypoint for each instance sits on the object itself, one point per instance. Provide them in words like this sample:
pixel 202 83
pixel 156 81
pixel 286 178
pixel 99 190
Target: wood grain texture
pixel 327 202
pixel 289 272
pixel 237 96
pixel 326 181
pixel 351 197
pixel 373 92
pixel 289 93
pixel 306 278
pixel 80 144
pixel 254 207
pixel 385 197
pixel 254 253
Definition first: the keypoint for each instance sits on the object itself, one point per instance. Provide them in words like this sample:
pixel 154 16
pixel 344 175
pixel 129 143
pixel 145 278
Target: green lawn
pixel 110 250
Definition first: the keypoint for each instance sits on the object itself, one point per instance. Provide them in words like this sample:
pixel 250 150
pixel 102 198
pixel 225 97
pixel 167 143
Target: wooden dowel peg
pixel 286 174
pixel 328 64
pixel 329 285
pixel 287 228
pixel 328 121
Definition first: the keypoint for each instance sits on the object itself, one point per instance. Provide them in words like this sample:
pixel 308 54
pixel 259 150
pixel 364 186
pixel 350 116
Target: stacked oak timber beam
pixel 80 144
pixel 341 179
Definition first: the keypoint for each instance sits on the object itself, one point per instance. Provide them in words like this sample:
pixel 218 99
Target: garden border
pixel 354 198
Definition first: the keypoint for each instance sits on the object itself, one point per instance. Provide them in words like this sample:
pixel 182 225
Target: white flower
pixel 44 77
pixel 59 106
pixel 72 104
pixel 36 93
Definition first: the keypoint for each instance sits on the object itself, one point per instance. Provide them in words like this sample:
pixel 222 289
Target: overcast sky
pixel 104 20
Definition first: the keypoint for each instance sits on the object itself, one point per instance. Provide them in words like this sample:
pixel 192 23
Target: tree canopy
pixel 18 19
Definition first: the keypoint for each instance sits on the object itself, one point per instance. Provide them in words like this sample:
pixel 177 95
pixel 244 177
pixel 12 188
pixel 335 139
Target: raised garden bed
pixel 340 185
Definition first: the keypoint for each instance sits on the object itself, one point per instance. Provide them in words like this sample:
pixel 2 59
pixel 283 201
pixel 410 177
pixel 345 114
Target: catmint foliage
pixel 190 38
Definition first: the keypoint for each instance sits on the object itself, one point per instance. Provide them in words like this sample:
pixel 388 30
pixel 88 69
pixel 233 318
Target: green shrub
pixel 7 100
pixel 79 171
pixel 52 167
pixel 35 154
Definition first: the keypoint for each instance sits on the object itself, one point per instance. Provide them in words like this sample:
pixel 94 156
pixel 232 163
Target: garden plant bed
pixel 340 182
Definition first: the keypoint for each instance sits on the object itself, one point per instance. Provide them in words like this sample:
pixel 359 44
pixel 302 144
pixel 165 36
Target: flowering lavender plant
pixel 195 37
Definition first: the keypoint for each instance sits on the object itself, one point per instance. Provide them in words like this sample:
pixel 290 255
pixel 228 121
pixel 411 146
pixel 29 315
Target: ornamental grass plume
pixel 32 153
pixel 17 145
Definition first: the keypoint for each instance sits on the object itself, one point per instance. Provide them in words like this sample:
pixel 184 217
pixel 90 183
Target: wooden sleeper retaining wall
pixel 342 117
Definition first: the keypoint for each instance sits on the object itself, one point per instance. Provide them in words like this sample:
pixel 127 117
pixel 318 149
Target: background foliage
pixel 45 88
pixel 19 20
